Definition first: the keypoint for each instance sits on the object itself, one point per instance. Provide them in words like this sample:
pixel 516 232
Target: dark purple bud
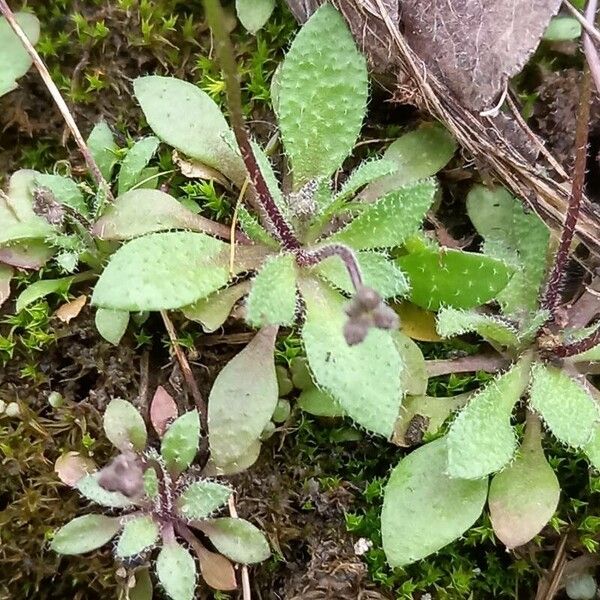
pixel 385 318
pixel 368 298
pixel 355 331
pixel 46 206
pixel 124 474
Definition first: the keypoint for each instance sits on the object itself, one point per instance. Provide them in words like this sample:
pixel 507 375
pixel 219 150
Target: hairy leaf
pixel 124 426
pixel 253 14
pixel 319 403
pixel 481 439
pixel 84 534
pixel 524 496
pixel 65 191
pixel 135 162
pixel 185 117
pixel 423 508
pixel 14 59
pixel 416 155
pixel 515 237
pixel 365 378
pixel 414 374
pixel 202 498
pixel 176 571
pixel 566 407
pixel 162 271
pixel 455 278
pixel 236 466
pixel 101 143
pixel 322 96
pixel 237 539
pixel 89 488
pixel 138 535
pixel 391 220
pixel 111 324
pixel 272 297
pixel 180 442
pixel 243 399
pixel 365 173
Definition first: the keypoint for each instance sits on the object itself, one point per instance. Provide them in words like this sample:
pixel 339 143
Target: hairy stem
pixel 224 49
pixel 314 257
pixel 577 347
pixel 58 99
pixel 556 278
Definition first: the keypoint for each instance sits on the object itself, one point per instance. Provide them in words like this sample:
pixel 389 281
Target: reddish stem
pixel 314 257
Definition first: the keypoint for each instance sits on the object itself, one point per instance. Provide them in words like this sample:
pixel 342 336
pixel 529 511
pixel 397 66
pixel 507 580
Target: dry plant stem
pixel 587 26
pixel 234 225
pixel 246 593
pixel 189 379
pixel 591 53
pixel 216 20
pixel 556 278
pixel 491 363
pixel 58 99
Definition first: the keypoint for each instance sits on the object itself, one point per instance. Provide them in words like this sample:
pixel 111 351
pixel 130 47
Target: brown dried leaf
pixel 197 170
pixel 71 467
pixel 163 410
pixel 6 274
pixel 68 311
pixel 217 571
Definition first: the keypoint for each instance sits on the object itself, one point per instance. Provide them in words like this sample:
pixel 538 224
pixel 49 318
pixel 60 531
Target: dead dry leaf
pixel 197 170
pixel 163 410
pixel 217 571
pixel 67 312
pixel 71 467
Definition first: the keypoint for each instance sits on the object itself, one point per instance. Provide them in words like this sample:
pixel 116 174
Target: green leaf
pixel 162 271
pixel 562 29
pixel 142 211
pixel 518 238
pixel 592 448
pixel 365 378
pixel 253 14
pixel 143 589
pixel 253 229
pixel 391 220
pixel 101 143
pixel 481 439
pixel 150 482
pixel 14 59
pixel 365 173
pixel 17 205
pixel 124 426
pixel 6 275
pixel 180 442
pixel 138 535
pixel 454 278
pixel 22 232
pixel 89 488
pixel 202 498
pixel 111 324
pixel 84 534
pixel 135 162
pixel 237 539
pixel 423 508
pixel 65 190
pixel 41 289
pixel 322 96
pixel 422 415
pixel 566 407
pixel 212 312
pixel 524 496
pixel 452 322
pixel 272 298
pixel 414 376
pixel 417 155
pixel 243 399
pixel 234 467
pixel 185 117
pixel 377 270
pixel 176 571
pixel 316 402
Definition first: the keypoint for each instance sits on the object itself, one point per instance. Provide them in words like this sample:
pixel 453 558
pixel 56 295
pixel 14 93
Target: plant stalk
pixel 58 99
pixel 224 49
pixel 314 257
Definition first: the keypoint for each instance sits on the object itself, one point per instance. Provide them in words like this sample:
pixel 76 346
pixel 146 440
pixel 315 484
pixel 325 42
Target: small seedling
pixel 161 498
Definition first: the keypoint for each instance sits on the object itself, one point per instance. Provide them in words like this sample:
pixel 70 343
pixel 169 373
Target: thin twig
pixel 556 278
pixel 58 99
pixel 216 20
pixel 189 380
pixel 246 591
pixel 587 26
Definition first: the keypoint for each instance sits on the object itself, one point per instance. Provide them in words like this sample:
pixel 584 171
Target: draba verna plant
pixel 321 256
pixel 161 498
pixel 544 352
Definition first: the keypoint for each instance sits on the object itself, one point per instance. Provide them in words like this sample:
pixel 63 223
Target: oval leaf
pixel 253 14
pixel 423 508
pixel 365 378
pixel 216 570
pixel 243 399
pixel 237 539
pixel 524 496
pixel 202 498
pixel 89 488
pixel 138 535
pixel 162 271
pixel 176 572
pixel 124 425
pixel 163 410
pixel 71 467
pixel 111 324
pixel 181 441
pixel 84 534
pixel 482 440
